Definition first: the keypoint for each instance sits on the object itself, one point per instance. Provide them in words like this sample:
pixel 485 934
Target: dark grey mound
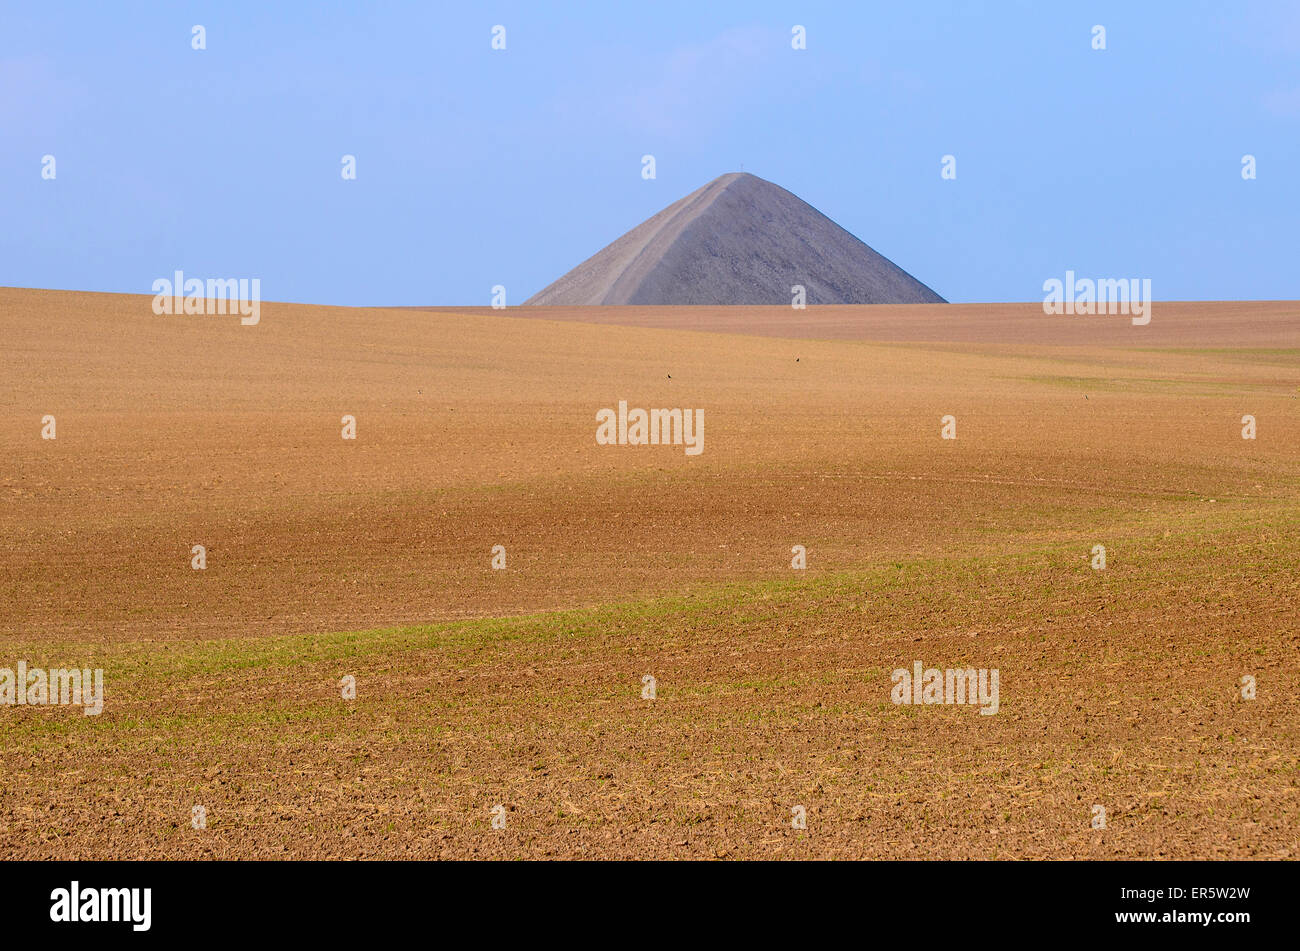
pixel 737 240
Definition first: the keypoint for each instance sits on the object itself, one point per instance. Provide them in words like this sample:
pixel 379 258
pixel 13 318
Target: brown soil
pixel 476 428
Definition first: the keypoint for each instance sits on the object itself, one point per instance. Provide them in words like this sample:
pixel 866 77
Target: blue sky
pixel 478 167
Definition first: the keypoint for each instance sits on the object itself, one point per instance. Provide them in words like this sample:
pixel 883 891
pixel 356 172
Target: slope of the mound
pixel 737 240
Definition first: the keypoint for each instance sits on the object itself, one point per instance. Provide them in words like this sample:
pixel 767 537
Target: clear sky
pixel 478 167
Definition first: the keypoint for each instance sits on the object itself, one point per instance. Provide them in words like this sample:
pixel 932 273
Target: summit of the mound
pixel 738 240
